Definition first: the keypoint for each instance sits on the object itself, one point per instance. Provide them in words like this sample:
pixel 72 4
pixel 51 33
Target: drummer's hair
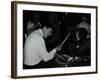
pixel 50 26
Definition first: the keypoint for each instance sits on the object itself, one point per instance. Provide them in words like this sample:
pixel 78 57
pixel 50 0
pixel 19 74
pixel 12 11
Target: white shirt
pixel 35 49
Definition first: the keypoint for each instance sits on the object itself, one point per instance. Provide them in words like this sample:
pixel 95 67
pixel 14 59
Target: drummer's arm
pixel 46 56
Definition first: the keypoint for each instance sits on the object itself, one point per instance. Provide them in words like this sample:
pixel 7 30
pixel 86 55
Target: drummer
pixel 35 52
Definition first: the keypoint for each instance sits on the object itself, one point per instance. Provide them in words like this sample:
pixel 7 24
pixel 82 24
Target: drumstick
pixel 65 39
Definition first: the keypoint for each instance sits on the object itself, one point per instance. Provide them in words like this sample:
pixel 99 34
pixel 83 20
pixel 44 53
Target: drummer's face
pixel 48 32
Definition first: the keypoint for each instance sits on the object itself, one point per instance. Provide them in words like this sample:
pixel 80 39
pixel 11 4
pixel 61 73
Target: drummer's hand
pixel 58 48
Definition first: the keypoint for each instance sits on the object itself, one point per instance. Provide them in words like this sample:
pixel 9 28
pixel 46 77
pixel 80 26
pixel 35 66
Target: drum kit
pixel 65 60
pixel 68 61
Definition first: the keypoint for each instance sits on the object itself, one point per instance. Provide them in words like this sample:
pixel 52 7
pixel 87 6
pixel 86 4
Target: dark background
pixel 64 23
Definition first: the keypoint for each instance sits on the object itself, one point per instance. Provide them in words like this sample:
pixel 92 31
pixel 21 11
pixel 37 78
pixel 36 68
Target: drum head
pixel 62 60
